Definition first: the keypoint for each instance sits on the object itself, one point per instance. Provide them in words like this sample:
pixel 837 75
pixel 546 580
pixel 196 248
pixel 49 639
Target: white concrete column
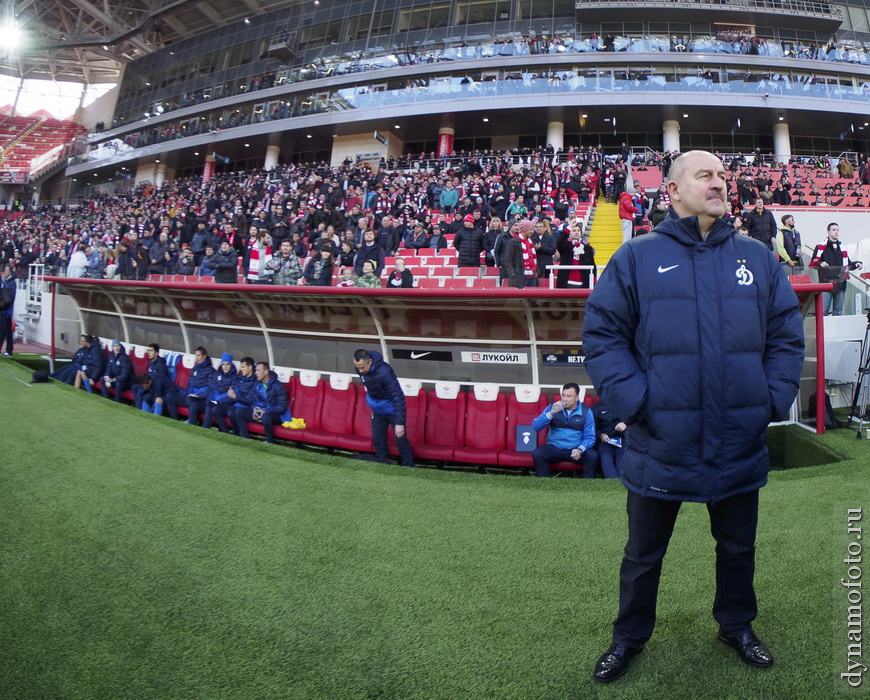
pixel 271 157
pixel 556 135
pixel 159 174
pixel 781 142
pixel 671 135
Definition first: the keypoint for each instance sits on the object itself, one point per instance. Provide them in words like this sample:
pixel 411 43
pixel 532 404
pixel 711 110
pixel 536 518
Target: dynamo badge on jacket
pixel 744 275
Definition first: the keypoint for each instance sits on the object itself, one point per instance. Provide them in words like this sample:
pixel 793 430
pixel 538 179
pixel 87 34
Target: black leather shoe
pixel 750 649
pixel 615 662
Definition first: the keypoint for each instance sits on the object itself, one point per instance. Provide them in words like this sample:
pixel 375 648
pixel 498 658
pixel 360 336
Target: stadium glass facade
pixel 316 81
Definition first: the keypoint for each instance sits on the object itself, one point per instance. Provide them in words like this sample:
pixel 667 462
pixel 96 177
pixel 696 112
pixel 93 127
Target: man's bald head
pixel 698 187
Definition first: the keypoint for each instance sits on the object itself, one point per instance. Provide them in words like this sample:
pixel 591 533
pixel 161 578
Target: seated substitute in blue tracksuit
pixel 198 387
pixel 119 372
pixel 156 365
pixel 219 399
pixel 156 388
pixel 571 437
pixel 265 403
pixel 67 373
pixel 92 368
pixel 240 394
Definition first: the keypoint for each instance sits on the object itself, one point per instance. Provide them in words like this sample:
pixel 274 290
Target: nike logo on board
pixel 418 355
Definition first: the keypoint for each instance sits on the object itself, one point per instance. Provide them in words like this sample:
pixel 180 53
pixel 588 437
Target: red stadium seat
pixel 337 412
pixel 359 439
pixel 415 421
pixel 306 402
pixel 523 406
pixel 182 375
pixel 445 422
pixel 485 425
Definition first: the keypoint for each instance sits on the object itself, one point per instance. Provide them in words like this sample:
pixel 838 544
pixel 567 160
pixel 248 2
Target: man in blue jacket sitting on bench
pixel 571 437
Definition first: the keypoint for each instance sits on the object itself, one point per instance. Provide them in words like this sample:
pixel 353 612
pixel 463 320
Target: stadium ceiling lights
pixel 14 35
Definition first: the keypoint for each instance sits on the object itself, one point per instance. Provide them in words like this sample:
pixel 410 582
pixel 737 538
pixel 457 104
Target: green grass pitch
pixel 141 558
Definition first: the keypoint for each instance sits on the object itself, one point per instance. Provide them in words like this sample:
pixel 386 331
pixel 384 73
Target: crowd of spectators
pixel 311 223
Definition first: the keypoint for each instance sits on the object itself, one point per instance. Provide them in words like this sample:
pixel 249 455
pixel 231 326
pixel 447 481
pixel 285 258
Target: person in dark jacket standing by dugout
pixel 384 396
pixel 119 372
pixel 7 309
pixel 668 347
pixel 761 224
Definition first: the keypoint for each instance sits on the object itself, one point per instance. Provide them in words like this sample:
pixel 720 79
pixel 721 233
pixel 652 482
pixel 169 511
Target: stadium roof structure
pixel 89 41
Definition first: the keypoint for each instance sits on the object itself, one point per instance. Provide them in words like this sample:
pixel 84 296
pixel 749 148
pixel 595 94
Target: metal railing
pixel 795 7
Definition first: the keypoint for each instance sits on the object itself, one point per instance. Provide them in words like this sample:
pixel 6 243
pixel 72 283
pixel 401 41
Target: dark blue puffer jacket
pixel 95 360
pixel 272 396
pixel 697 345
pixel 244 388
pixel 383 386
pixel 220 384
pixel 199 380
pixel 120 367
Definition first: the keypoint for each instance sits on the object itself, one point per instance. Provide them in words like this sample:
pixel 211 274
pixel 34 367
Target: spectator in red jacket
pixel 627 210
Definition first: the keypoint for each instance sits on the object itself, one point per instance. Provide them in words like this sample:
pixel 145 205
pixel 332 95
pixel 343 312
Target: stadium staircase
pixel 605 234
pixel 20 137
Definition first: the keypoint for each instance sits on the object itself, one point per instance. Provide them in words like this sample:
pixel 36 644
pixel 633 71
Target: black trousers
pixel 733 523
pixel 6 332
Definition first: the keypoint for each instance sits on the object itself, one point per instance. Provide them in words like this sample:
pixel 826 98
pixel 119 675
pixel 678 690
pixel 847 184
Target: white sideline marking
pixel 27 384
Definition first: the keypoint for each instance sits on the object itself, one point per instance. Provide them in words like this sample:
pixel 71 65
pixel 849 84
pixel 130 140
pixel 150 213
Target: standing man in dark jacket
pixel 225 263
pixel 370 250
pixel 669 349
pixel 119 372
pixel 788 247
pixel 833 264
pixel 384 396
pixel 7 307
pixel 469 243
pixel 761 224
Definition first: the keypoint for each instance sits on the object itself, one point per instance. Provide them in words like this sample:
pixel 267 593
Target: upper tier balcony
pixel 800 14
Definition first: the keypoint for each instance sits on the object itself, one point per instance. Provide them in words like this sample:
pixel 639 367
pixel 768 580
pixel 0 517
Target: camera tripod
pixel 862 388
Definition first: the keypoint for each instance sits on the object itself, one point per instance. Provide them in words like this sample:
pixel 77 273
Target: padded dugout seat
pixel 485 426
pixel 445 423
pixel 523 406
pixel 337 411
pixel 306 401
pixel 359 438
pixel 415 414
pixel 182 375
